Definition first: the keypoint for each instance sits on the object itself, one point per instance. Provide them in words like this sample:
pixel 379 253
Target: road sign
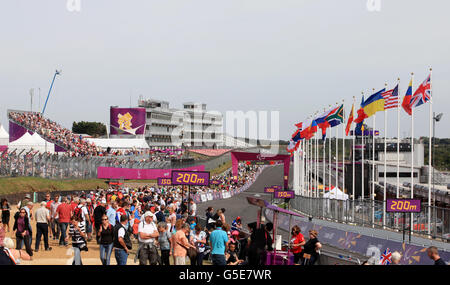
pixel 286 194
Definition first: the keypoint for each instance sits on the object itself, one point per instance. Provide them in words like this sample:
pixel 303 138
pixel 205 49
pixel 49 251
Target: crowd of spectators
pixel 53 132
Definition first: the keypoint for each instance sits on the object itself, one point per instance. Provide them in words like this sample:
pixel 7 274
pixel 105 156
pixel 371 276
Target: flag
pixel 422 94
pixel 336 116
pixel 360 113
pixel 386 257
pixel 407 99
pixel 299 125
pixel 349 122
pixel 370 106
pixel 391 98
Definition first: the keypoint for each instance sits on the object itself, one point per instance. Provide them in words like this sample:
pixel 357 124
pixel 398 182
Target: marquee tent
pixel 119 144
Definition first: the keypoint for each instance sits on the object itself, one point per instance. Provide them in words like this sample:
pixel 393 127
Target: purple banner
pixel 215 182
pixel 277 187
pixel 193 178
pixel 284 194
pixel 269 190
pixel 133 173
pixel 162 181
pixel 403 205
pixel 362 244
pixel 127 121
pixel 16 131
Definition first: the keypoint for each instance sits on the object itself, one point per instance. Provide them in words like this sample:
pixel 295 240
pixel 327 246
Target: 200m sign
pixel 194 178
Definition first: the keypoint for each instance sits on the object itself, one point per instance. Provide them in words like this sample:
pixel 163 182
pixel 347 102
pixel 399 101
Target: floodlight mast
pixel 46 100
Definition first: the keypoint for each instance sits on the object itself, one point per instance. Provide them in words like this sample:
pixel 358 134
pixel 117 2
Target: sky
pixel 296 57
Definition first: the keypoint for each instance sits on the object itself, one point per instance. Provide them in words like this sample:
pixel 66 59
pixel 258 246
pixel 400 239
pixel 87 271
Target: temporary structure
pixel 119 144
pixel 29 142
pixel 336 193
pixel 4 137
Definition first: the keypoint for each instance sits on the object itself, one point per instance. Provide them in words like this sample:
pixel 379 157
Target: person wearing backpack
pixel 122 242
pixel 105 235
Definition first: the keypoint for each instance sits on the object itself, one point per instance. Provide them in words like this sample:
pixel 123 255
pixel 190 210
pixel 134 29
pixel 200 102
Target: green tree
pixel 94 129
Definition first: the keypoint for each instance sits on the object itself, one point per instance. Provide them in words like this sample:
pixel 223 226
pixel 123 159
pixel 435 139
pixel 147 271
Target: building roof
pixel 119 143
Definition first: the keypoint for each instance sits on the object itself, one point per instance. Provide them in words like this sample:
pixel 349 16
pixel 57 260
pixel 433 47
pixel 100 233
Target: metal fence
pixel 369 213
pixel 64 167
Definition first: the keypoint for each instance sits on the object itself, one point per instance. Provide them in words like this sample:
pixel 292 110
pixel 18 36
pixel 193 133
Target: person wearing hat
pixel 147 233
pixel 24 202
pixel 311 248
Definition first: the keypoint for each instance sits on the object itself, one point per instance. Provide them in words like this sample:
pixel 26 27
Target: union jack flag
pixel 386 257
pixel 422 94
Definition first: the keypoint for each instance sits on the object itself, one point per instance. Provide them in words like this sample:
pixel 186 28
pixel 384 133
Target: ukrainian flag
pixel 373 104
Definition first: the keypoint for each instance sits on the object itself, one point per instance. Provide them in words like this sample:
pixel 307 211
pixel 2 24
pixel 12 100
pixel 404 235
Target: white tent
pixel 336 193
pixel 28 142
pixel 119 144
pixel 4 136
pixel 43 144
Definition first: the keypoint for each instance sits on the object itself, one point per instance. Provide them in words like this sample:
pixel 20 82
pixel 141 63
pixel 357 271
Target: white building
pixel 192 127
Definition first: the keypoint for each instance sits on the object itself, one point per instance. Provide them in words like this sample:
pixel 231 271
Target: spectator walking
pixel 21 226
pixel 77 231
pixel 99 212
pixel 219 242
pixel 54 221
pixel 311 249
pixel 198 238
pixel 297 241
pixel 396 257
pixel 42 225
pixel 164 243
pixel 122 241
pixel 147 233
pixel 6 213
pixel 433 254
pixel 111 213
pixel 181 244
pixel 64 212
pixel 105 238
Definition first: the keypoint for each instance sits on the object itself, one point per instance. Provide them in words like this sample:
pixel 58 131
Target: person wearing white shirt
pixel 147 232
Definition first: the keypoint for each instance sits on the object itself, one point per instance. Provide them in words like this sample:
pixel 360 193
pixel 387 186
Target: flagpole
pixel 429 155
pixel 412 154
pixel 353 168
pixel 373 169
pixel 329 161
pixel 343 147
pixel 323 161
pixel 337 156
pixel 398 146
pixel 343 155
pixel 385 180
pixel 362 166
pixel 316 175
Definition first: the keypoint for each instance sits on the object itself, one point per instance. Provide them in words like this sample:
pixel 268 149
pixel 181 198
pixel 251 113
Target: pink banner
pixel 132 173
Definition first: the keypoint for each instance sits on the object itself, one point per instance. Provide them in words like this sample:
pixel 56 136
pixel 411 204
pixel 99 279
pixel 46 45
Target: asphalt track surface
pixel 238 205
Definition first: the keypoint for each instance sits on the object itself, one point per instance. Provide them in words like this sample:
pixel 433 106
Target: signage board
pixel 163 181
pixel 286 194
pixel 193 178
pixel 403 205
